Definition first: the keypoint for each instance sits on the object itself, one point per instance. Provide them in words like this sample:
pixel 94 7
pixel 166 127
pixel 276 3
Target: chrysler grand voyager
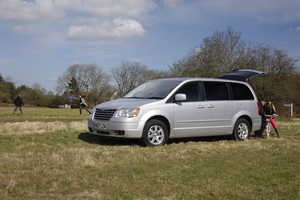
pixel 179 108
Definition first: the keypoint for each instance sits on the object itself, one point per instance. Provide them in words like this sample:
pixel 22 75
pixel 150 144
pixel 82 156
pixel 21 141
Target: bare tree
pixel 63 82
pixel 97 82
pixel 129 75
pixel 217 55
pixel 37 94
pixel 76 78
pixel 85 78
pixel 156 74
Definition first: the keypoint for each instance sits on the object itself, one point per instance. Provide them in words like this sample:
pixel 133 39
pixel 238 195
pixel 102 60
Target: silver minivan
pixel 180 108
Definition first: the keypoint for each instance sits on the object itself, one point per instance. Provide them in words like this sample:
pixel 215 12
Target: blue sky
pixel 40 39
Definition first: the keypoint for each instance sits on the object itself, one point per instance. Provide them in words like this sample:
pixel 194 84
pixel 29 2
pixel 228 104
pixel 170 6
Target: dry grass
pixel 60 160
pixel 41 114
pixel 20 128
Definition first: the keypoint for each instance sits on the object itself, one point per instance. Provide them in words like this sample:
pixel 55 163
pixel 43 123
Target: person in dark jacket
pixel 83 104
pixel 258 134
pixel 18 104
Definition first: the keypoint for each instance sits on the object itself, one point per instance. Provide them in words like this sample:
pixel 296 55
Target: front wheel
pixel 155 133
pixel 241 129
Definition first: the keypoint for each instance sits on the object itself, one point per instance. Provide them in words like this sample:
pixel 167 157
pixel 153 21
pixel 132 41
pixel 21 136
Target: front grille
pixel 104 115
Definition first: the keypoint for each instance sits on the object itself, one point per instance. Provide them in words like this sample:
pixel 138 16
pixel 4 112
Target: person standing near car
pixel 18 104
pixel 270 110
pixel 261 104
pixel 82 104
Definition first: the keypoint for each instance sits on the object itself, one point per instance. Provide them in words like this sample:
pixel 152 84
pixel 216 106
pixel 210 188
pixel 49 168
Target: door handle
pixel 200 106
pixel 210 106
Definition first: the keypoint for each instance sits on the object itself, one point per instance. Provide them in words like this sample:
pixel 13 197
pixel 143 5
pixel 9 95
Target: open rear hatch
pixel 241 75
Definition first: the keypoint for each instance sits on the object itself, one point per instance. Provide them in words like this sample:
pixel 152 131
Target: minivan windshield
pixel 155 89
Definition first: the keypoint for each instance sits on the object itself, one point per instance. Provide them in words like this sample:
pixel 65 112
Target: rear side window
pixel 241 92
pixel 216 90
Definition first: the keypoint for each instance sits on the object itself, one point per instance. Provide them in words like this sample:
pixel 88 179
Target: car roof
pixel 235 75
pixel 241 75
pixel 184 79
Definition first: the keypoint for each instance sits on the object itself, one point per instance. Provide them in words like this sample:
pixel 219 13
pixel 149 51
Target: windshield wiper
pixel 133 97
pixel 142 98
pixel 154 98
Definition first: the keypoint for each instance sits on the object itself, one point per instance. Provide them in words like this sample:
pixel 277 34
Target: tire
pixel 242 129
pixel 155 133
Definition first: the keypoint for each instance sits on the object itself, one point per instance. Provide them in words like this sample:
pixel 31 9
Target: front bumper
pixel 115 130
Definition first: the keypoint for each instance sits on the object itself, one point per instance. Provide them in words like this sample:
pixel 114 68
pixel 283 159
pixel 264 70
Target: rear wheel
pixel 155 133
pixel 241 129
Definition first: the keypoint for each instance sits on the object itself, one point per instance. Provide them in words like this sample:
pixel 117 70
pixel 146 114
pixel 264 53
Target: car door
pixel 221 108
pixel 190 115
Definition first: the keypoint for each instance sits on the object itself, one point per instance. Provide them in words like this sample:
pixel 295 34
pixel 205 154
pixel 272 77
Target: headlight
pixel 128 112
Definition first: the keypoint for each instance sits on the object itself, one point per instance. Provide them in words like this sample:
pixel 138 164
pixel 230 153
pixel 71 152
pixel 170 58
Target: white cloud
pixel 290 30
pixel 113 8
pixel 95 29
pixel 52 79
pixel 267 11
pixel 172 3
pixel 86 19
pixel 19 30
pixel 102 19
pixel 52 10
pixel 29 11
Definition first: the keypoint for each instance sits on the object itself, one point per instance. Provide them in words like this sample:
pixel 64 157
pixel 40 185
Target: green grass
pixel 57 159
pixel 41 114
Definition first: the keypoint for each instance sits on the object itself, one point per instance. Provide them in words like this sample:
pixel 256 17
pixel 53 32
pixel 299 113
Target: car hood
pixel 241 75
pixel 125 103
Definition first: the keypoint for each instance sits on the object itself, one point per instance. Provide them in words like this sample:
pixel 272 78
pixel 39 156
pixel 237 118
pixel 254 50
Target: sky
pixel 40 39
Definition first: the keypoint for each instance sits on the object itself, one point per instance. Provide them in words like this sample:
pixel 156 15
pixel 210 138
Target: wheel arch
pixel 243 116
pixel 163 119
pixel 242 128
pixel 248 118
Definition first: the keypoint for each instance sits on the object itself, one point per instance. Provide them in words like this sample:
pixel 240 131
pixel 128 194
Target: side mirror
pixel 180 97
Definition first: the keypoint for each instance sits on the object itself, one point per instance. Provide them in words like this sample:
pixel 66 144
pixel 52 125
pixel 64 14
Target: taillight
pixel 258 108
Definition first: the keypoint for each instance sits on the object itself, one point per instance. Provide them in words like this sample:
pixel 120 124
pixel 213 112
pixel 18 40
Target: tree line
pixel 218 54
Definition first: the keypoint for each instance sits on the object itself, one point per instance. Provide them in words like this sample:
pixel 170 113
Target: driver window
pixel 191 90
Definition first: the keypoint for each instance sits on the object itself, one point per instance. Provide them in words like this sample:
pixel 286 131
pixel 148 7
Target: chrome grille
pixel 104 115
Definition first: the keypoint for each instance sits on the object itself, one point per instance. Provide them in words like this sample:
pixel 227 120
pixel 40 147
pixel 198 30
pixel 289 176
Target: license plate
pixel 102 126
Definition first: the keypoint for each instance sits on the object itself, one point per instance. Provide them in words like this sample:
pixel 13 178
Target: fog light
pixel 119 132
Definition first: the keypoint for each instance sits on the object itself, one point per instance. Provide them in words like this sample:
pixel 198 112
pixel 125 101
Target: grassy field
pixel 48 154
pixel 42 114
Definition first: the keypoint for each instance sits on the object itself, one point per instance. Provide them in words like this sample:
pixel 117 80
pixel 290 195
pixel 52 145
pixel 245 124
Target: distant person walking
pixel 18 104
pixel 83 104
